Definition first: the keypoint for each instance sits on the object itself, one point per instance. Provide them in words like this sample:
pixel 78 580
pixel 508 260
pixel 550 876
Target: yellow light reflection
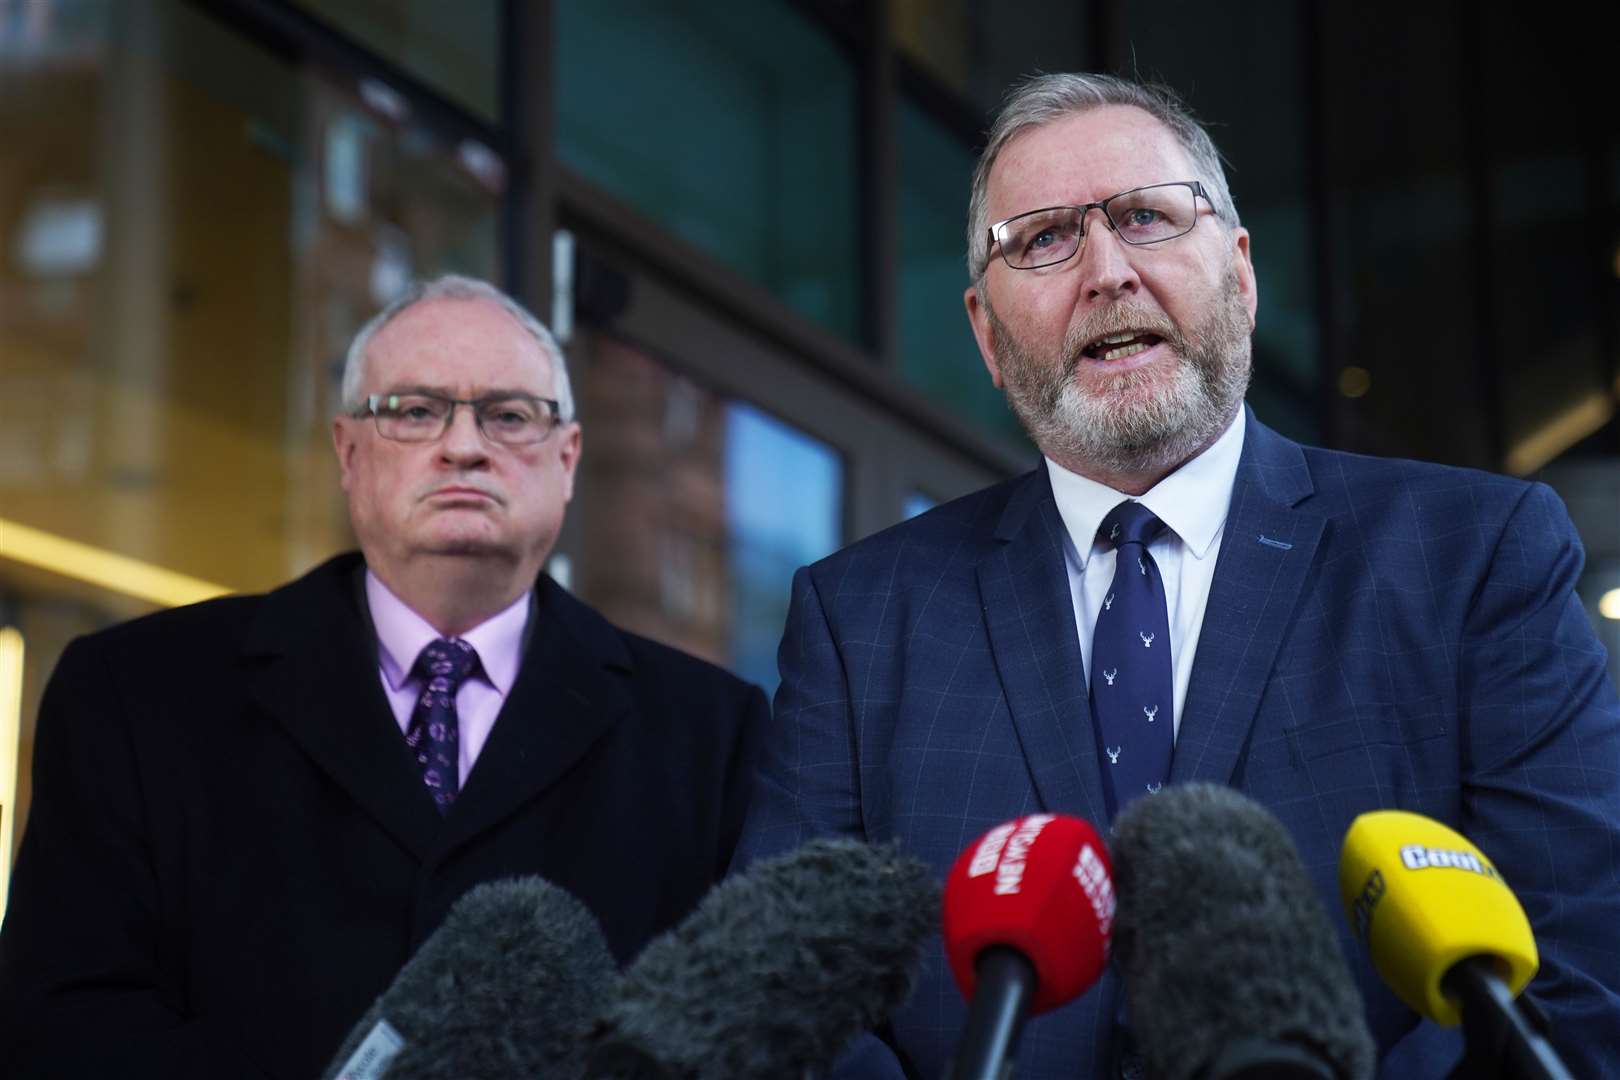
pixel 1566 429
pixel 1609 604
pixel 120 573
pixel 11 673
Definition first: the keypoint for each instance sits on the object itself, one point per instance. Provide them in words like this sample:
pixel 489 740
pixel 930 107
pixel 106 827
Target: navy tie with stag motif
pixel 1132 681
pixel 434 734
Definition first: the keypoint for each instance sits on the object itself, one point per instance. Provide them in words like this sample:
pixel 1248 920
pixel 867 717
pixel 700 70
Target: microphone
pixel 506 987
pixel 1028 910
pixel 778 969
pixel 1231 967
pixel 1448 936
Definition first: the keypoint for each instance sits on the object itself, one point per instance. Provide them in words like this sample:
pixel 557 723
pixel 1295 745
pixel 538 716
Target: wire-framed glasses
pixel 1144 215
pixel 421 416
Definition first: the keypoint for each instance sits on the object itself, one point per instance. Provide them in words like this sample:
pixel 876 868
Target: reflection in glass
pixel 917 502
pixel 692 510
pixel 454 48
pixel 747 152
pixel 978 48
pixel 200 225
pixel 784 494
pixel 937 352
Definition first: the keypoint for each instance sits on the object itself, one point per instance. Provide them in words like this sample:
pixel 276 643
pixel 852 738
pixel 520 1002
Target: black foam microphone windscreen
pixel 1230 964
pixel 778 969
pixel 507 987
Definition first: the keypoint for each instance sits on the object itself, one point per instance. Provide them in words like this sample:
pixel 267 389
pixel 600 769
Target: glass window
pixel 1554 393
pixel 733 126
pixel 917 502
pixel 1258 114
pixel 978 49
pixel 693 509
pixel 938 354
pixel 196 226
pixel 784 496
pixel 454 48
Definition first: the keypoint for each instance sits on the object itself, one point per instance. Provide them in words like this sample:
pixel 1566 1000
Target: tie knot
pixel 447 659
pixel 1130 523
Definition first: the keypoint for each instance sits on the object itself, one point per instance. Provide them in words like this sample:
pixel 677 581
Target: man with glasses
pixel 249 813
pixel 1179 593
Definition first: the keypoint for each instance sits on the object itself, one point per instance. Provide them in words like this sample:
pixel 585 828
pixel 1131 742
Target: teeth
pixel 1120 354
pixel 1115 339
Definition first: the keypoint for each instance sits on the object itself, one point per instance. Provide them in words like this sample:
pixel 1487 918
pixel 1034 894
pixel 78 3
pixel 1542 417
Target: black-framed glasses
pixel 419 416
pixel 1144 215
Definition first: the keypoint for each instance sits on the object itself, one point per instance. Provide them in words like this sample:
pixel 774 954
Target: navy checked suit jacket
pixel 1379 634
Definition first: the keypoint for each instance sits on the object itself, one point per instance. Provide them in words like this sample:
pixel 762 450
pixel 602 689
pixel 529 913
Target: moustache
pixel 1119 318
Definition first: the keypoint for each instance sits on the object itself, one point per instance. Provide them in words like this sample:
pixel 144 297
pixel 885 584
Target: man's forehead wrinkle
pixel 1103 151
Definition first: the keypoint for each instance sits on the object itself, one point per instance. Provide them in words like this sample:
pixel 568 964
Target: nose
pixel 1107 273
pixel 463 445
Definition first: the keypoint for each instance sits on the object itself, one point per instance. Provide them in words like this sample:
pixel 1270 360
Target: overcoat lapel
pixel 570 691
pixel 316 675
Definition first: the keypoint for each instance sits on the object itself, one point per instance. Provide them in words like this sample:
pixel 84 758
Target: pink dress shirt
pixel 401 636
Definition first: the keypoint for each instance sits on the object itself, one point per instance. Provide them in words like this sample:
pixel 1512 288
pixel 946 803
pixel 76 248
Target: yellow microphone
pixel 1446 933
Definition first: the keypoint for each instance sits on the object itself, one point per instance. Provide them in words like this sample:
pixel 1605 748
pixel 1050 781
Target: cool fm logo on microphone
pixel 1004 851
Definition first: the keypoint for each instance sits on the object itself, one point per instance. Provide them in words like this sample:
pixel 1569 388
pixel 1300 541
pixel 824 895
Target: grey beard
pixel 1114 428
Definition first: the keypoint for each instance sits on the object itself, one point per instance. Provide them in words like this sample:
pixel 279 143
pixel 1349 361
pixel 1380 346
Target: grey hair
pixel 1041 99
pixel 456 287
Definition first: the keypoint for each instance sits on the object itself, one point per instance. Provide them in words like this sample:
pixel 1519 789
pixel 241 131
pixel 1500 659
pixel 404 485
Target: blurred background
pixel 745 218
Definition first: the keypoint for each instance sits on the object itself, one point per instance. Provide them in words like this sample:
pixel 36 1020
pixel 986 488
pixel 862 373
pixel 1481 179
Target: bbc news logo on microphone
pixel 1420 857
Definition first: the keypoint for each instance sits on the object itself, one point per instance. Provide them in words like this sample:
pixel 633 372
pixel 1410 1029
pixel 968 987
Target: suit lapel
pixel 1029 618
pixel 570 691
pixel 315 662
pixel 1267 549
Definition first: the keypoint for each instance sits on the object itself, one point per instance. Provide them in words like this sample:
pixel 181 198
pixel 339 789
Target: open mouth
pixel 1119 346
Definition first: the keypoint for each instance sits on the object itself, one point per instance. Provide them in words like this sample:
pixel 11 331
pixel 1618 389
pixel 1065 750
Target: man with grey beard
pixel 1179 593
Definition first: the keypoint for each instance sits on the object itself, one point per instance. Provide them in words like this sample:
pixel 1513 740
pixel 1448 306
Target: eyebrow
pixel 444 392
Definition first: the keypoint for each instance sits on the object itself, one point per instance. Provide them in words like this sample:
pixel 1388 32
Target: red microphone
pixel 1028 910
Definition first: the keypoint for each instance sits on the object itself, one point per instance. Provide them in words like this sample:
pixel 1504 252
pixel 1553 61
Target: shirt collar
pixel 402 634
pixel 1192 501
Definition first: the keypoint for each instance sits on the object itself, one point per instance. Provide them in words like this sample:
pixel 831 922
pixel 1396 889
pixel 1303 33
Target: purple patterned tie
pixel 434 735
pixel 1131 677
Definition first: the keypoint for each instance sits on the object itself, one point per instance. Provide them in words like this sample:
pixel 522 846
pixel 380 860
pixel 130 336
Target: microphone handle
pixel 1004 985
pixel 1500 1042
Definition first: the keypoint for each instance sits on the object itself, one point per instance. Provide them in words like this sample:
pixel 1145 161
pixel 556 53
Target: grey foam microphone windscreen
pixel 508 986
pixel 778 969
pixel 1222 940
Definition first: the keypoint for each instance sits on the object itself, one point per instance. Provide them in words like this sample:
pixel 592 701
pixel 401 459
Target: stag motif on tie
pixel 1113 534
pixel 1109 675
pixel 1147 639
pixel 1151 713
pixel 1153 789
pixel 1108 604
pixel 1113 755
pixel 1142 566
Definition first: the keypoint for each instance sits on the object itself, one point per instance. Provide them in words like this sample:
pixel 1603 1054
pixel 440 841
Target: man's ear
pixel 1243 268
pixel 344 442
pixel 573 444
pixel 978 313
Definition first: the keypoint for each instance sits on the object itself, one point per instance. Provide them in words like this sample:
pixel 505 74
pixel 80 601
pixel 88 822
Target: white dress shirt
pixel 1192 502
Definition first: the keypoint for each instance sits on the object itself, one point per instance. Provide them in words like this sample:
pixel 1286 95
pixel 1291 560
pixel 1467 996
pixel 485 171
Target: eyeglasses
pixel 1144 215
pixel 416 417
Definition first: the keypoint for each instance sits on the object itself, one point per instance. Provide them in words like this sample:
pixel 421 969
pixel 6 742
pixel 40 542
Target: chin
pixel 463 543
